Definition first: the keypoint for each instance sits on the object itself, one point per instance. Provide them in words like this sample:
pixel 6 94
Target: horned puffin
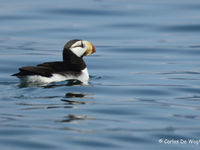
pixel 72 66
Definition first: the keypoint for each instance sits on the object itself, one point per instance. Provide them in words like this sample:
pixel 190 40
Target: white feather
pixel 83 77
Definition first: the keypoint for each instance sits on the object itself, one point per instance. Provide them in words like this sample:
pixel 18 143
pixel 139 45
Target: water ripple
pixel 182 28
pixel 86 12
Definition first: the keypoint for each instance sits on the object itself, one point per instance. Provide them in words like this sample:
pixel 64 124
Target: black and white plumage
pixel 72 66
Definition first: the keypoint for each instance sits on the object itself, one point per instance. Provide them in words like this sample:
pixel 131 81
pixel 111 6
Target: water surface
pixel 144 82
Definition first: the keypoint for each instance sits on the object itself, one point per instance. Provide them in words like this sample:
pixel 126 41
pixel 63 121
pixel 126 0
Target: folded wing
pixel 45 69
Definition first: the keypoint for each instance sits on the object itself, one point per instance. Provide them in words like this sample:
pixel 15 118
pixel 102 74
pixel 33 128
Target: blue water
pixel 145 76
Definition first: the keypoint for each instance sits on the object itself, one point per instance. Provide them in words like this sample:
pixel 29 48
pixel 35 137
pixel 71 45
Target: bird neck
pixel 70 59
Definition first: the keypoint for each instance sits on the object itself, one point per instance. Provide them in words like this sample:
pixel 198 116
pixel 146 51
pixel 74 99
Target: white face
pixel 79 48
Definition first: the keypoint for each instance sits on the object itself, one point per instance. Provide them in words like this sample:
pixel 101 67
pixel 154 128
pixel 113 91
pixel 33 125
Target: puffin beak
pixel 90 48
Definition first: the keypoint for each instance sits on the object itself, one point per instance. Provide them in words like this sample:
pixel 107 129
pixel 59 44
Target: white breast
pixel 83 77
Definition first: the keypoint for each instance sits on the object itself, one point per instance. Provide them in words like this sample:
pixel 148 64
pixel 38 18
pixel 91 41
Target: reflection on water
pixel 73 118
pixel 69 96
pixel 144 78
pixel 72 102
pixel 68 101
pixel 74 95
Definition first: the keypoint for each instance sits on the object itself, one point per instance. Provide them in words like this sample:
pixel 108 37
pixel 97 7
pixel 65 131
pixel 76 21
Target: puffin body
pixel 72 66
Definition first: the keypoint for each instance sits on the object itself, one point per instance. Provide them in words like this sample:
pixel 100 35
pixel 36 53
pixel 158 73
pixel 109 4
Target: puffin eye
pixel 78 44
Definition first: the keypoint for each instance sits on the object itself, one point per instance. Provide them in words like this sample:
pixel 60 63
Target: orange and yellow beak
pixel 90 48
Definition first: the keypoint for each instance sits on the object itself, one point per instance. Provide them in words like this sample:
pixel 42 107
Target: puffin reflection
pixel 74 118
pixel 78 96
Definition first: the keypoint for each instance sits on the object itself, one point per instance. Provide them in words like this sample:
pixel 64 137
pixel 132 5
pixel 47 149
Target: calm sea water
pixel 144 91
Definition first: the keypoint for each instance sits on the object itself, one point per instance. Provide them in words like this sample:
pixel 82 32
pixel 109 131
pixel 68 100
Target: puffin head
pixel 80 47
